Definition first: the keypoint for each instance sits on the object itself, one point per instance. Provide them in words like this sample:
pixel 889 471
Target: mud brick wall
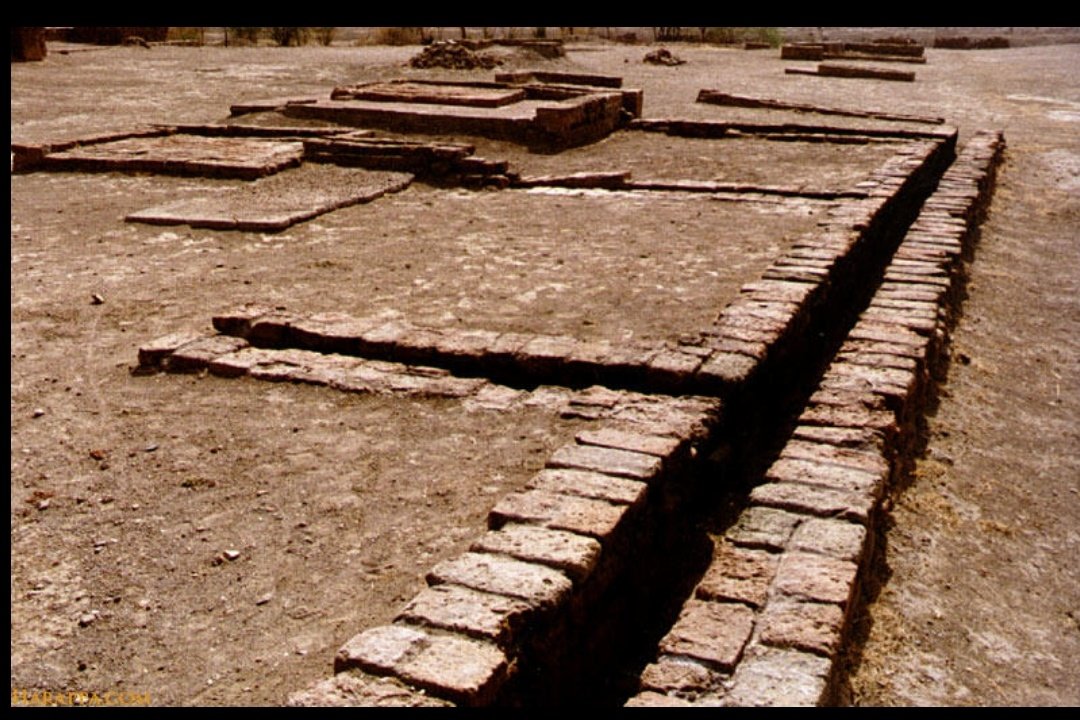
pixel 767 621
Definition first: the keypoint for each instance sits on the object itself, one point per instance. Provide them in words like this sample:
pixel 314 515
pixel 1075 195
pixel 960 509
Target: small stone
pixel 151 447
pixel 43 505
pixel 87 619
pixel 96 299
pixel 231 554
pixel 265 599
pixel 38 412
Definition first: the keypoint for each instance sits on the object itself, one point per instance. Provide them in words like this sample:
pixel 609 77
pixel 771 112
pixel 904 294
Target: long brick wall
pixel 768 619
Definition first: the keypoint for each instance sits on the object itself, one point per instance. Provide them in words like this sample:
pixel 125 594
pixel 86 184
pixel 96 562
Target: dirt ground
pixel 130 494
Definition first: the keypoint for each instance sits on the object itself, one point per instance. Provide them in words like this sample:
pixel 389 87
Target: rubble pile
pixel 453 56
pixel 663 56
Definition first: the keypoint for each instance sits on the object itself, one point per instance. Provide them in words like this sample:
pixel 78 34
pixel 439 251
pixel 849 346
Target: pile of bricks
pixel 766 622
pixel 663 56
pixel 452 56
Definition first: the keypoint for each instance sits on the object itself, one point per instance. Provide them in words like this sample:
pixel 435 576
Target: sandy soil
pixel 127 491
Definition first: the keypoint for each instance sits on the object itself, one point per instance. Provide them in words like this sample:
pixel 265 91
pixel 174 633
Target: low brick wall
pixel 767 621
pixel 511 619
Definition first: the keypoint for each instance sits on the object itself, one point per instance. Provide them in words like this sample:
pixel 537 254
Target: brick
pixel 503 352
pixel 655 699
pixel 671 675
pixel 853 437
pixel 813 627
pixel 358 689
pixel 836 538
pixel 780 678
pixel 854 348
pixel 738 575
pixel 381 339
pixel 658 445
pixel 575 555
pixel 713 632
pixel 543 354
pixel 478 614
pixel 154 353
pixel 466 348
pixel 869 330
pixel 330 332
pixel 779 291
pixel 539 585
pixel 761 334
pixel 725 371
pixel 892 316
pixel 814 500
pixel 880 360
pixel 584 483
pixel 870 461
pixel 585 516
pixel 825 475
pixel 670 369
pixel 238 322
pixel 464 671
pixel 816 577
pixel 850 417
pixel 415 345
pixel 763 527
pixel 197 356
pixel 720 344
pixel 241 362
pixel 621 463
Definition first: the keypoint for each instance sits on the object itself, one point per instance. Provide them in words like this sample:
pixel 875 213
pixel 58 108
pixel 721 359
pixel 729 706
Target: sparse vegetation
pixel 399 35
pixel 325 35
pixel 286 36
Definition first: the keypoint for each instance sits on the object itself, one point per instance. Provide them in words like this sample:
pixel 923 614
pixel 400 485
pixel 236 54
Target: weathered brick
pixel 655 699
pixel 238 322
pixel 726 370
pixel 539 585
pixel 810 626
pixel 779 678
pixel 659 445
pixel 154 353
pixel 465 348
pixel 271 329
pixel 330 332
pixel 383 338
pixel 850 417
pixel 814 500
pixel 739 575
pixel 585 483
pixel 836 538
pixel 816 577
pixel 671 369
pixel 479 614
pixel 825 475
pixel 763 527
pixel 721 344
pixel 575 555
pixel 868 460
pixel 240 363
pixel 465 671
pixel 354 688
pixel 779 291
pixel 545 353
pixel 710 631
pixel 852 437
pixel 670 675
pixel 197 356
pixel 586 516
pixel 621 463
pixel 869 330
pixel 415 345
